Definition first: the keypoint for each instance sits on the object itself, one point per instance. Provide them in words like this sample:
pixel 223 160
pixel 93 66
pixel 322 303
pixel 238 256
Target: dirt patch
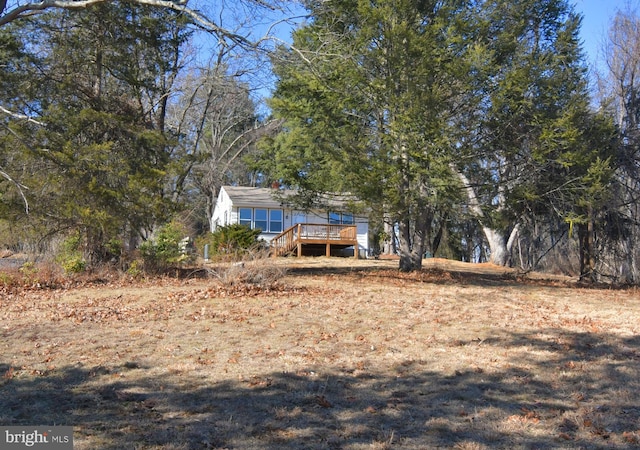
pixel 341 354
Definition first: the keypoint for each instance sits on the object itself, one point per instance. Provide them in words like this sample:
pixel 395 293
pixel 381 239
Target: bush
pixel 135 269
pixel 70 255
pixel 168 249
pixel 231 240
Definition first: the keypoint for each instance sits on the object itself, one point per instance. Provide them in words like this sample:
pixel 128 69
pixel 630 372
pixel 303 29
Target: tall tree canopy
pixel 94 106
pixel 399 101
pixel 535 139
pixel 99 85
pixel 367 95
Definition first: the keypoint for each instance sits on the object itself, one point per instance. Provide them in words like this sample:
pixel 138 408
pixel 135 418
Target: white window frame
pixel 269 220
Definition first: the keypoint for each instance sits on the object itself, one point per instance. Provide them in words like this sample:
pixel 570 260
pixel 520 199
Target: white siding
pixel 362 228
pixel 222 211
pixel 317 217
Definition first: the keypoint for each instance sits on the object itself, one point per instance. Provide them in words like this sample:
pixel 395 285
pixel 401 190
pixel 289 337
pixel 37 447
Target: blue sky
pixel 595 24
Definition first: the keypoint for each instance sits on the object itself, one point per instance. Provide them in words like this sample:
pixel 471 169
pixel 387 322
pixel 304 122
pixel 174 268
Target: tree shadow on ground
pixel 585 393
pixel 497 277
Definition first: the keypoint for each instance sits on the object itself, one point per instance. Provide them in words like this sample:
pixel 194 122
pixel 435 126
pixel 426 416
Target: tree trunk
pixel 410 255
pixel 404 238
pixel 389 246
pixel 412 242
pixel 499 246
pixel 435 244
pixel 586 239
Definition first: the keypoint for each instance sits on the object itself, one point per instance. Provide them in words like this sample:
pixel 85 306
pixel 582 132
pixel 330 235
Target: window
pixel 275 220
pixel 336 218
pixel 246 217
pixel 267 220
pixel 260 219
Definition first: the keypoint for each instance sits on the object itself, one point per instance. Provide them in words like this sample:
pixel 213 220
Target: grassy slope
pixel 340 355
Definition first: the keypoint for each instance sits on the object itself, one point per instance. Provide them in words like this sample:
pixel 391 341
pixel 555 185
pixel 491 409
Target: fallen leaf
pixel 322 401
pixel 631 438
pixel 9 374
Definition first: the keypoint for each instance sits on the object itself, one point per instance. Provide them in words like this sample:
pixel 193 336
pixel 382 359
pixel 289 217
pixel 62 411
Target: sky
pixel 597 15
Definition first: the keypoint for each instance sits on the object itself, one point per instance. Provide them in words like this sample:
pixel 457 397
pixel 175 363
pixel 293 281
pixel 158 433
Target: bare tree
pixel 230 128
pixel 620 91
pixel 17 10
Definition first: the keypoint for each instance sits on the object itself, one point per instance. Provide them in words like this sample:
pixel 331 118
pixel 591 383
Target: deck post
pixel 328 248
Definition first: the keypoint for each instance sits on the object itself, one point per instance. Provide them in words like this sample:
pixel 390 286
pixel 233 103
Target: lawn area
pixel 338 354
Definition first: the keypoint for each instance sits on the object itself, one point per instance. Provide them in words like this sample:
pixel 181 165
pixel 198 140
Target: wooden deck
pixel 303 236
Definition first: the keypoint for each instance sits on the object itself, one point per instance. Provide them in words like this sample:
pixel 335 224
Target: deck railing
pixel 286 241
pixel 313 233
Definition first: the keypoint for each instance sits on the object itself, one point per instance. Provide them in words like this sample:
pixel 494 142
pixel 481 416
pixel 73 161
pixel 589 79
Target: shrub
pixel 168 249
pixel 70 256
pixel 29 271
pixel 135 269
pixel 232 240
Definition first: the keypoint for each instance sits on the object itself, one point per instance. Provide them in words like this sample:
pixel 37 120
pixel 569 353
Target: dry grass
pixel 340 354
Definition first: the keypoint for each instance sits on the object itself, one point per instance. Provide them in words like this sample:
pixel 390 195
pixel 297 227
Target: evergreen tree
pixel 384 98
pixel 366 94
pixel 540 143
pixel 99 88
pixel 530 115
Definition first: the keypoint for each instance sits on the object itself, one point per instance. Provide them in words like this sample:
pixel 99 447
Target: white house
pixel 268 210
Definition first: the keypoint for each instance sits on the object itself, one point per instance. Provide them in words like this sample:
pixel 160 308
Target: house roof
pixel 276 198
pixel 256 197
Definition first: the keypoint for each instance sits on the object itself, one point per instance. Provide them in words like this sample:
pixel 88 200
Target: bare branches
pixel 20 116
pixel 20 188
pixel 198 18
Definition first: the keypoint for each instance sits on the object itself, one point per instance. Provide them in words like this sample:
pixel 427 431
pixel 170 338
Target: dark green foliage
pixel 383 99
pixel 99 158
pixel 232 239
pixel 366 111
pixel 168 249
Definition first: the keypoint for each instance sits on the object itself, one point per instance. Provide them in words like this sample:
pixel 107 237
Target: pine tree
pixel 100 154
pixel 366 94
